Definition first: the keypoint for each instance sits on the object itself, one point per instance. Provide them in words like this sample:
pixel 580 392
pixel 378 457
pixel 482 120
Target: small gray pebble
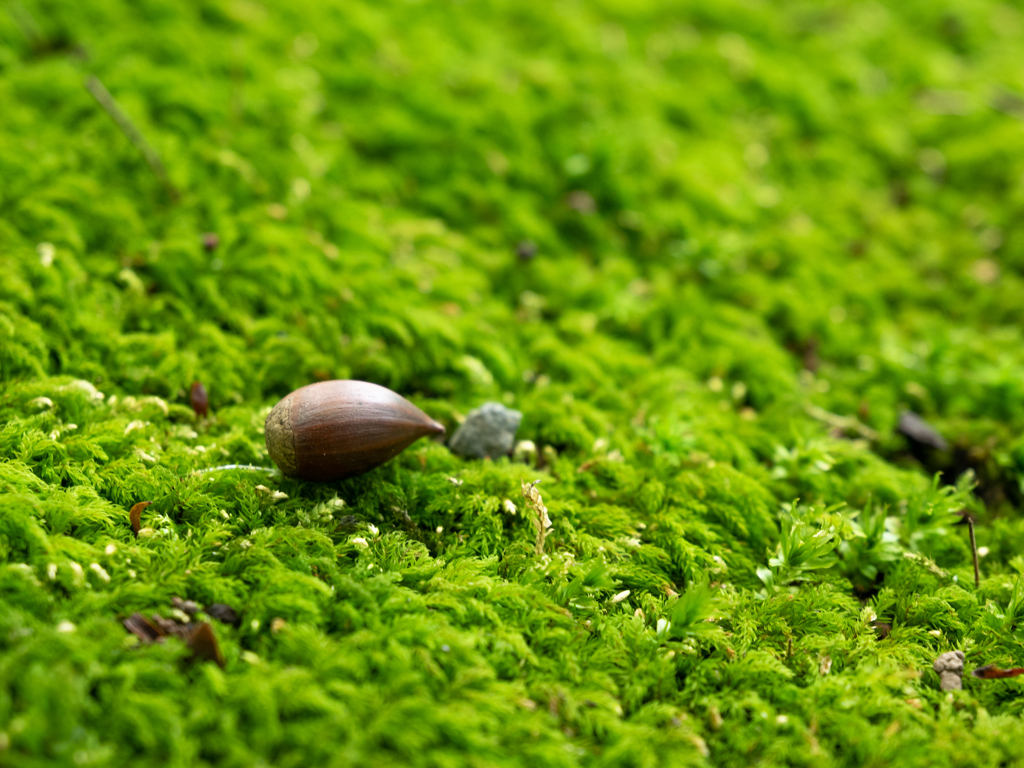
pixel 950 667
pixel 920 431
pixel 490 430
pixel 526 250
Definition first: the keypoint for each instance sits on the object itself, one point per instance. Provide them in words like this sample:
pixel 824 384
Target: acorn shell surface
pixel 337 429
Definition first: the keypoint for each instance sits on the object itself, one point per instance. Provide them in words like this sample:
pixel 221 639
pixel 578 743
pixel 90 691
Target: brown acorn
pixel 336 429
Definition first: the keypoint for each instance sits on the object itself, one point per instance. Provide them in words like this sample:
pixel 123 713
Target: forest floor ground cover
pixel 712 251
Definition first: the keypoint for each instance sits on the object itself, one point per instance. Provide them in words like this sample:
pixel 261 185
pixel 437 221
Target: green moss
pixel 763 230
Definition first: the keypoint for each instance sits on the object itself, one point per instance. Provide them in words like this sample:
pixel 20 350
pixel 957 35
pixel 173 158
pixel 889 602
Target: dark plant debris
pixel 992 672
pixel 135 515
pixel 222 613
pixel 198 636
pixel 200 400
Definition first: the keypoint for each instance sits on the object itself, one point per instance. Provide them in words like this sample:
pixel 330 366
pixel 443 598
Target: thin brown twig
pixel 842 422
pixel 129 129
pixel 974 552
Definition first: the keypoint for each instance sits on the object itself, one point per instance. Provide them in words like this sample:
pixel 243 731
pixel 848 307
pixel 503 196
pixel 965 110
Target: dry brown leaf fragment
pixel 200 399
pixel 992 672
pixel 198 637
pixel 135 515
pixel 203 643
pixel 170 626
pixel 143 628
pixel 541 522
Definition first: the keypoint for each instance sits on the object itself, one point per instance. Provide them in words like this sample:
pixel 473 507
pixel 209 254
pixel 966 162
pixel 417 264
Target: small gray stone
pixel 920 431
pixel 950 667
pixel 490 430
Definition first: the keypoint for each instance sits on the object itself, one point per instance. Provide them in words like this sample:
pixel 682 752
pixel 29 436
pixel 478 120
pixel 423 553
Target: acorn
pixel 337 429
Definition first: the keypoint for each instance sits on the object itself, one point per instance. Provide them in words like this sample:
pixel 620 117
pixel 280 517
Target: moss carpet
pixel 712 251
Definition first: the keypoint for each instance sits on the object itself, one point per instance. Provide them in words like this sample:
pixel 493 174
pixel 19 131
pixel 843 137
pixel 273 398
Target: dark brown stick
pixel 974 552
pixel 128 128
